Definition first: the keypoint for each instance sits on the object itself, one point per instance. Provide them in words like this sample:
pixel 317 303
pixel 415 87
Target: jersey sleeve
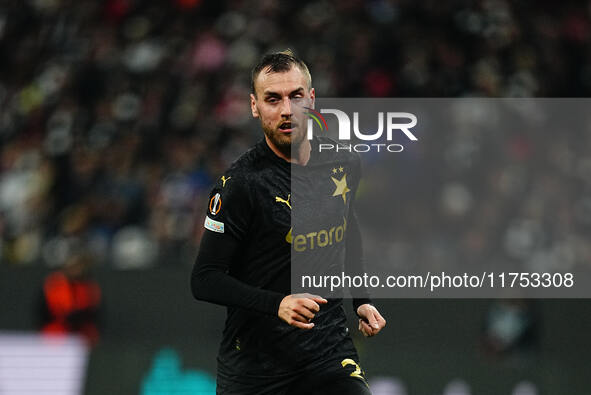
pixel 354 262
pixel 229 207
pixel 227 222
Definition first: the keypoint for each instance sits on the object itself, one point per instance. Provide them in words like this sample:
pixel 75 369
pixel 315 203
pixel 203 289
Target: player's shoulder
pixel 242 171
pixel 230 190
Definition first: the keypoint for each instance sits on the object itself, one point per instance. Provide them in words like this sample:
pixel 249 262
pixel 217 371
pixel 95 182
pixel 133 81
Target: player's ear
pixel 312 96
pixel 253 106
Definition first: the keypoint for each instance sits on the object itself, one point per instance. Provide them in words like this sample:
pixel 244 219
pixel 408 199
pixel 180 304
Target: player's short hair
pixel 279 62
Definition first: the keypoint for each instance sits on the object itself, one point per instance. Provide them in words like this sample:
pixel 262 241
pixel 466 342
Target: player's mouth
pixel 286 127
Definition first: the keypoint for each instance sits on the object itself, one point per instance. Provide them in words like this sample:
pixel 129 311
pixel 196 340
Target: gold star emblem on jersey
pixel 341 187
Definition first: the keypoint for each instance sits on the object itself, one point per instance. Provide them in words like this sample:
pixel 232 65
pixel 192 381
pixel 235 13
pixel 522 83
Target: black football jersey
pixel 269 221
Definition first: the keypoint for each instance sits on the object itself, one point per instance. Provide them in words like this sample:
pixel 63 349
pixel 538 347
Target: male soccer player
pixel 274 342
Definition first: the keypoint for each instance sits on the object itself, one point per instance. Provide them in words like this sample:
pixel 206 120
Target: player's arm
pixel 211 282
pixel 227 224
pixel 371 321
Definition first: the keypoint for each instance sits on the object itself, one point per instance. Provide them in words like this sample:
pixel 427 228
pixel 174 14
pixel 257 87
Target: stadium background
pixel 116 116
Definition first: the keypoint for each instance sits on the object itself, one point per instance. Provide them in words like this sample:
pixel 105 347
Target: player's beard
pixel 284 142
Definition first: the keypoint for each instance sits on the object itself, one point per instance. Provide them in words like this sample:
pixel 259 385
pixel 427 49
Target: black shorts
pixel 341 376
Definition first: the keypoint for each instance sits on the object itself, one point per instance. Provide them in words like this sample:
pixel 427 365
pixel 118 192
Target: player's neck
pixel 299 155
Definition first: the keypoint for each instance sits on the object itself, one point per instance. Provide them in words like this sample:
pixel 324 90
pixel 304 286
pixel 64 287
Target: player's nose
pixel 286 107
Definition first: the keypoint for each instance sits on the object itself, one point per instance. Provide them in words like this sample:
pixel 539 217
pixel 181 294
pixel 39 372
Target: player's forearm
pixel 220 288
pixel 210 281
pixel 354 263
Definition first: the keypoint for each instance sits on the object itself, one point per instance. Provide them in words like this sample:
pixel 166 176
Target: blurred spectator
pixel 525 388
pixel 71 300
pixel 457 387
pixel 511 327
pixel 387 386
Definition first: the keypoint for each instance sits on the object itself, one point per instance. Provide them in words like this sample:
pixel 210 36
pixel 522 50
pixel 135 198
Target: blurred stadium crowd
pixel 116 116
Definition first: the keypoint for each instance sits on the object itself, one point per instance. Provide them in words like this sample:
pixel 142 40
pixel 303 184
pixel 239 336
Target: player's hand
pixel 371 321
pixel 299 309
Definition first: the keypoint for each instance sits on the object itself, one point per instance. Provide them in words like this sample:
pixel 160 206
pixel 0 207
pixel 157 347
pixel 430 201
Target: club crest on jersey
pixel 341 187
pixel 215 204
